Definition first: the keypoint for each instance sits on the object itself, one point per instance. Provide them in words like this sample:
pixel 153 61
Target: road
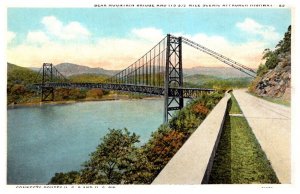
pixel 271 124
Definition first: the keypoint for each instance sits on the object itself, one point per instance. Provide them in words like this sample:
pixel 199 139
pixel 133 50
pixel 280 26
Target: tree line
pixel 20 80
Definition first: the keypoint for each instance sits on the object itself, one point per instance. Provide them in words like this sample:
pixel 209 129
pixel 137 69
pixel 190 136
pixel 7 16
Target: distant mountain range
pixel 223 72
pixel 69 69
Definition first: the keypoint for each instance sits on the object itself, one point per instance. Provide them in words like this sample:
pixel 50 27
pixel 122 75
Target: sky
pixel 114 38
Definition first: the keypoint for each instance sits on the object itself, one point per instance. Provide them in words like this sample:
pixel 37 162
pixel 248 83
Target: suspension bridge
pixel 158 72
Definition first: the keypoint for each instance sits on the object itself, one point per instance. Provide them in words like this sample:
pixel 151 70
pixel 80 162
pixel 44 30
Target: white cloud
pixel 38 37
pixel 118 53
pixel 150 33
pixel 248 53
pixel 252 27
pixel 72 30
pixel 53 25
pixel 10 36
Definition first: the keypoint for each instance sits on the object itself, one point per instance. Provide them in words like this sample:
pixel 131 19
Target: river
pixel 46 139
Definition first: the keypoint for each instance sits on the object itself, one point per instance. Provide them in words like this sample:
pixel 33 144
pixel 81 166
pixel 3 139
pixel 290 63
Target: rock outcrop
pixel 277 82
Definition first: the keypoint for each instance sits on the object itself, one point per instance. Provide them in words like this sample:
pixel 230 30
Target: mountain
pixel 223 72
pixel 216 82
pixel 69 69
pixel 34 68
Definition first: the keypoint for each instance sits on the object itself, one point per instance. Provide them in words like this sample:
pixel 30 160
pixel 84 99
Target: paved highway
pixel 271 124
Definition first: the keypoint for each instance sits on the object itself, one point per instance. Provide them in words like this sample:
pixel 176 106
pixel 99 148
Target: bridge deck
pixel 152 90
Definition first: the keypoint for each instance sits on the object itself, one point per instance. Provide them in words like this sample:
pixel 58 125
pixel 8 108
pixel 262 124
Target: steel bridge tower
pixel 47 76
pixel 173 76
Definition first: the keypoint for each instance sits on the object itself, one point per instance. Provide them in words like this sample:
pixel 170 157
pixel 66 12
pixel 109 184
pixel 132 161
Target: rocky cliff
pixel 274 76
pixel 277 82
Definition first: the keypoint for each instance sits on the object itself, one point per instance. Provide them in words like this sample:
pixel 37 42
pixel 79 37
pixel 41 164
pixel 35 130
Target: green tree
pixel 185 121
pixel 77 93
pixel 112 158
pixel 19 80
pixel 156 153
pixel 271 59
pixel 18 89
pixel 262 70
pixel 94 93
pixel 200 110
pixel 283 46
pixel 142 169
pixel 65 178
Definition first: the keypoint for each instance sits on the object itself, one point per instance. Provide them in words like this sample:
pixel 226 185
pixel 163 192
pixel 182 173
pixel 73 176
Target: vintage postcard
pixel 107 95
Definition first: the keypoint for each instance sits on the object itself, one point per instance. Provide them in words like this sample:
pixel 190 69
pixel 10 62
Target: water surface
pixel 59 138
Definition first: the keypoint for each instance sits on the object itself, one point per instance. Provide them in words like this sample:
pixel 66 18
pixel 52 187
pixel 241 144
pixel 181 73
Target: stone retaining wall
pixel 193 161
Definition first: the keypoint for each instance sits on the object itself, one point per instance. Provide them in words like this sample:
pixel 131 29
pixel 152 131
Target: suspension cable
pixel 220 57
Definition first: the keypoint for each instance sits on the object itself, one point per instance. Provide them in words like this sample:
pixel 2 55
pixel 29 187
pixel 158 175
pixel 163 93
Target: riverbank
pixel 110 97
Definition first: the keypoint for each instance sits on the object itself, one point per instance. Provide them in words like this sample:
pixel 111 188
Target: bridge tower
pixel 173 76
pixel 47 76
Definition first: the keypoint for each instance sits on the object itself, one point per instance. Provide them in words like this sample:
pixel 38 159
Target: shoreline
pixel 69 102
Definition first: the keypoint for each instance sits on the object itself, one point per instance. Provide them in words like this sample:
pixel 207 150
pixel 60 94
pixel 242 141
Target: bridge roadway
pixel 153 90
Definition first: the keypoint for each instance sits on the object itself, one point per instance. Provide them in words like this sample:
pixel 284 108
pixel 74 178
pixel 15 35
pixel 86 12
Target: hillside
pixel 18 84
pixel 215 82
pixel 222 72
pixel 20 75
pixel 88 78
pixel 274 76
pixel 19 90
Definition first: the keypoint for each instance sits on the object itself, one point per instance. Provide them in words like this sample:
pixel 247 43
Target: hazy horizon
pixel 198 66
